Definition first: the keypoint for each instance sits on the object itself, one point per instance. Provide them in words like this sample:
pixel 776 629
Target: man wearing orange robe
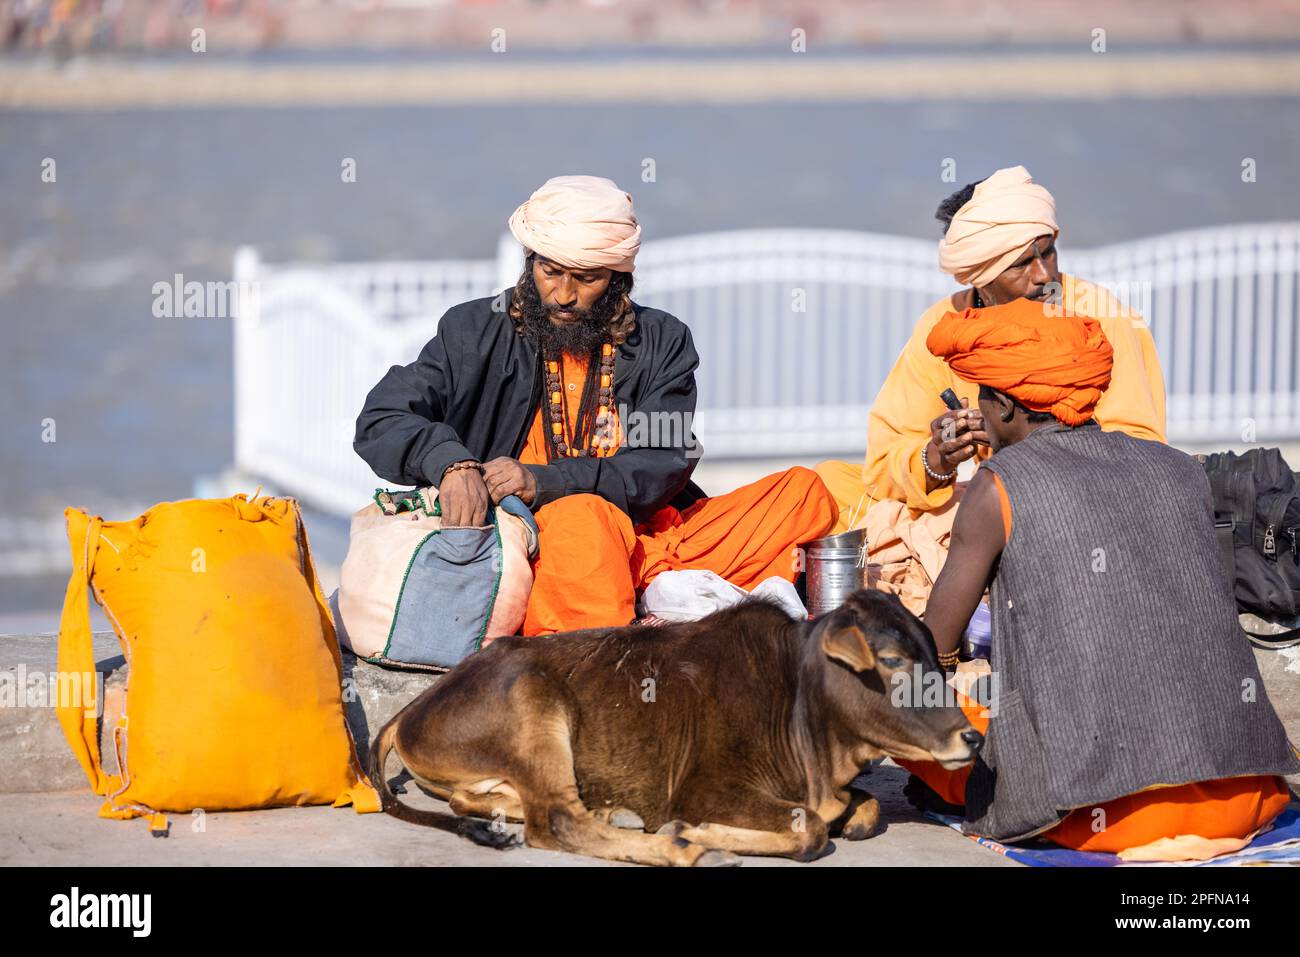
pixel 1084 652
pixel 566 393
pixel 1000 243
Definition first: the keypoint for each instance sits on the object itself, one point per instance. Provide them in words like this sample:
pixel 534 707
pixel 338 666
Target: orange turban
pixel 1048 363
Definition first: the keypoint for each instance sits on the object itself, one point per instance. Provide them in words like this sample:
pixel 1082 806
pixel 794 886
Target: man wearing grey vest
pixel 1131 716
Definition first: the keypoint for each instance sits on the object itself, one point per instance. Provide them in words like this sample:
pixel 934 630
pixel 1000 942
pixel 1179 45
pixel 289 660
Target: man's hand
pixel 464 498
pixel 973 550
pixel 954 437
pixel 506 476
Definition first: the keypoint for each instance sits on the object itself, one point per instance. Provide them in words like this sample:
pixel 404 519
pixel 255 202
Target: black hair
pixel 986 392
pixel 948 208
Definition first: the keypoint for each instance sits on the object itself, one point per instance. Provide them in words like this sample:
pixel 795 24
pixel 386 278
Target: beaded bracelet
pixel 476 466
pixel 937 476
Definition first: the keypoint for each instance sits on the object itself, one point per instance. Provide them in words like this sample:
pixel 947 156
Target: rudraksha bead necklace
pixel 584 440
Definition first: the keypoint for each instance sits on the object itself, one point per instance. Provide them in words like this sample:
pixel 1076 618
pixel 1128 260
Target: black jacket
pixel 475 389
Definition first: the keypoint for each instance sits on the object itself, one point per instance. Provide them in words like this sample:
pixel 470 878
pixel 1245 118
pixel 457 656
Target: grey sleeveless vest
pixel 1115 636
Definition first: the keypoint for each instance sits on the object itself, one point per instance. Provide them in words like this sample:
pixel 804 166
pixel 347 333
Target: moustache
pixel 570 312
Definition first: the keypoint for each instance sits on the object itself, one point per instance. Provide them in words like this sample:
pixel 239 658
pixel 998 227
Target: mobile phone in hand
pixel 952 402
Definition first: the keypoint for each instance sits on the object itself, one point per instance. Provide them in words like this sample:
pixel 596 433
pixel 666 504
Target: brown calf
pixel 736 734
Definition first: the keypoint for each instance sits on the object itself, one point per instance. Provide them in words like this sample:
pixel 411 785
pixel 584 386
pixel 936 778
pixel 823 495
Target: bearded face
pixel 566 327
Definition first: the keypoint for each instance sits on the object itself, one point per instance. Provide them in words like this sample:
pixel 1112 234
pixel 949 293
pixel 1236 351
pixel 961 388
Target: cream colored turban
pixel 996 227
pixel 583 222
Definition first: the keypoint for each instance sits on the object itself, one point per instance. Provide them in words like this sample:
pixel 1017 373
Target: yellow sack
pixel 234 677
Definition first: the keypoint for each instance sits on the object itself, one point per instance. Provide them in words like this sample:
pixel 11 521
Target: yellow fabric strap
pixel 362 795
pixel 125 812
pixel 363 798
pixel 76 653
pixel 79 719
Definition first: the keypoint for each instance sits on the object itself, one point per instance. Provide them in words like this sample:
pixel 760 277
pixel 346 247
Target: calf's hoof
pixel 716 858
pixel 864 823
pixel 490 835
pixel 672 828
pixel 858 832
pixel 624 818
pixel 620 817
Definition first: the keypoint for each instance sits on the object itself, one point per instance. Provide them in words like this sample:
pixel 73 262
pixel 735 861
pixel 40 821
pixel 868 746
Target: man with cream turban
pixel 1000 245
pixel 566 393
pixel 1115 641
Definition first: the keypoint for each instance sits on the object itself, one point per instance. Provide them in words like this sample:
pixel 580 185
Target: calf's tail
pixel 480 832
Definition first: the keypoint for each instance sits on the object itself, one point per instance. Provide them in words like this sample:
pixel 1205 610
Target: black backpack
pixel 1257 523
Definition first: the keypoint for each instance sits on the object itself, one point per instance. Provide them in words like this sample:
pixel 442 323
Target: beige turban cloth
pixel 996 227
pixel 583 222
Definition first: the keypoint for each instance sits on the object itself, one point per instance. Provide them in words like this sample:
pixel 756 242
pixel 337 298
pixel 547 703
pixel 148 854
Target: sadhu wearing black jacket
pixel 565 392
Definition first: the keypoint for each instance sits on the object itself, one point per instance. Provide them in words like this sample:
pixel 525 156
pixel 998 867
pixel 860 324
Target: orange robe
pixel 592 561
pixel 1182 821
pixel 1227 810
pixel 899 424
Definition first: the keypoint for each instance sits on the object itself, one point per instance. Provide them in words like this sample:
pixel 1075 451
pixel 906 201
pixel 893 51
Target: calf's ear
pixel 850 646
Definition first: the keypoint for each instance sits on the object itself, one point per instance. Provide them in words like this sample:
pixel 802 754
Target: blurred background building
pixel 80 26
pixel 151 142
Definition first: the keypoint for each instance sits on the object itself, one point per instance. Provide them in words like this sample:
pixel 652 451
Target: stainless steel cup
pixel 836 566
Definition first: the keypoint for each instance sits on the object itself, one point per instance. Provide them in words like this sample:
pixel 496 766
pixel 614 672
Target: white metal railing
pixel 796 330
pixel 1222 306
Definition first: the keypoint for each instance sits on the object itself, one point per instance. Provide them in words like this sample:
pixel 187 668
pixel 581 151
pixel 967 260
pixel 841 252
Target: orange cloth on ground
pixel 1049 363
pixel 591 561
pixel 899 424
pixel 1177 822
pixel 1227 808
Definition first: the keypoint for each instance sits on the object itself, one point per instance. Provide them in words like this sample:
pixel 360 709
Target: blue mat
pixel 1279 844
